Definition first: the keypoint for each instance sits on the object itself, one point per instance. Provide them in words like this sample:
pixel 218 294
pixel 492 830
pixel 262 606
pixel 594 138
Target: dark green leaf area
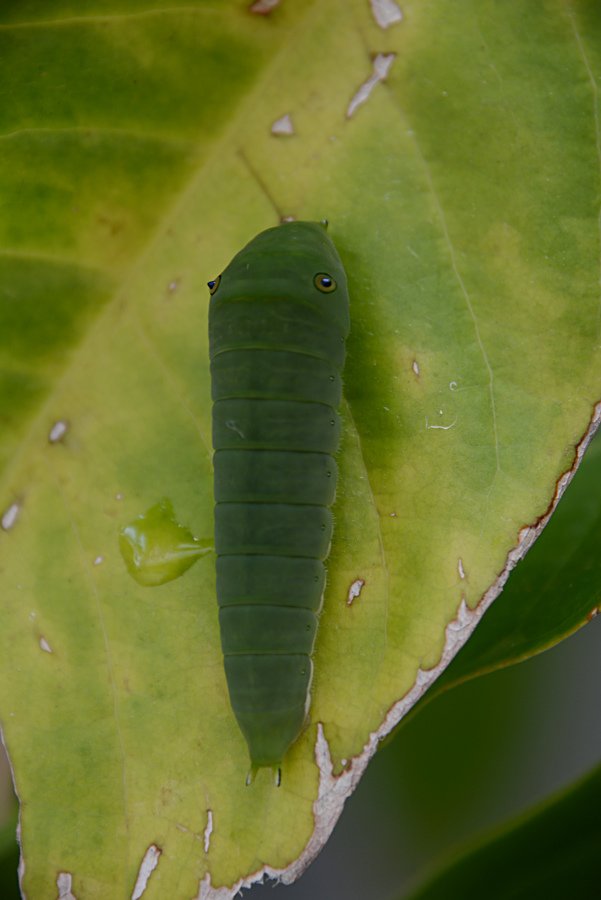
pixel 20 393
pixel 553 853
pixel 44 307
pixel 552 592
pixel 123 71
pixel 51 202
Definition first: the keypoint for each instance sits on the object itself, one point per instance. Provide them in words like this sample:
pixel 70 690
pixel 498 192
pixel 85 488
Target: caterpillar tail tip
pixel 277 775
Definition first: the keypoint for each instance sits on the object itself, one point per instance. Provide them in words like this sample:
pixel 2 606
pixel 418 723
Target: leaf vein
pixel 103 130
pixel 467 298
pixel 171 380
pixel 375 507
pixel 112 17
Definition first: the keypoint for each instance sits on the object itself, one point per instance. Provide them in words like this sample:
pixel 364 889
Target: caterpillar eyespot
pixel 213 284
pixel 324 283
pixel 277 355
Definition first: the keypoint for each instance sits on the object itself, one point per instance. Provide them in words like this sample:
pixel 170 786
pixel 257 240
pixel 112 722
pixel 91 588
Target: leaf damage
pixel 386 12
pixel 380 69
pixel 149 863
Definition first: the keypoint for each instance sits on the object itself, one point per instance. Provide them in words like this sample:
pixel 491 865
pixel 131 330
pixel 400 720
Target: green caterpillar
pixel 278 320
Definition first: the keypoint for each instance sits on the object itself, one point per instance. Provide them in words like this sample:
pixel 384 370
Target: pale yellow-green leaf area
pixel 136 157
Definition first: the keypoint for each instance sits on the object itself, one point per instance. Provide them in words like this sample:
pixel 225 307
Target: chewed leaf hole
pixel 10 516
pixel 354 590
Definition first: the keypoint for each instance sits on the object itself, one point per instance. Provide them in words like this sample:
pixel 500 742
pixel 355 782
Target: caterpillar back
pixel 278 320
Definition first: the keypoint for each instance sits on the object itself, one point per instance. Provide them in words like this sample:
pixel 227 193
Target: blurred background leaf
pixel 9 848
pixel 551 852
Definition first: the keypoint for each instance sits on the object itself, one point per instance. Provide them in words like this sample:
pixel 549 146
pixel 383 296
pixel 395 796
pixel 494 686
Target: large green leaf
pixel 136 158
